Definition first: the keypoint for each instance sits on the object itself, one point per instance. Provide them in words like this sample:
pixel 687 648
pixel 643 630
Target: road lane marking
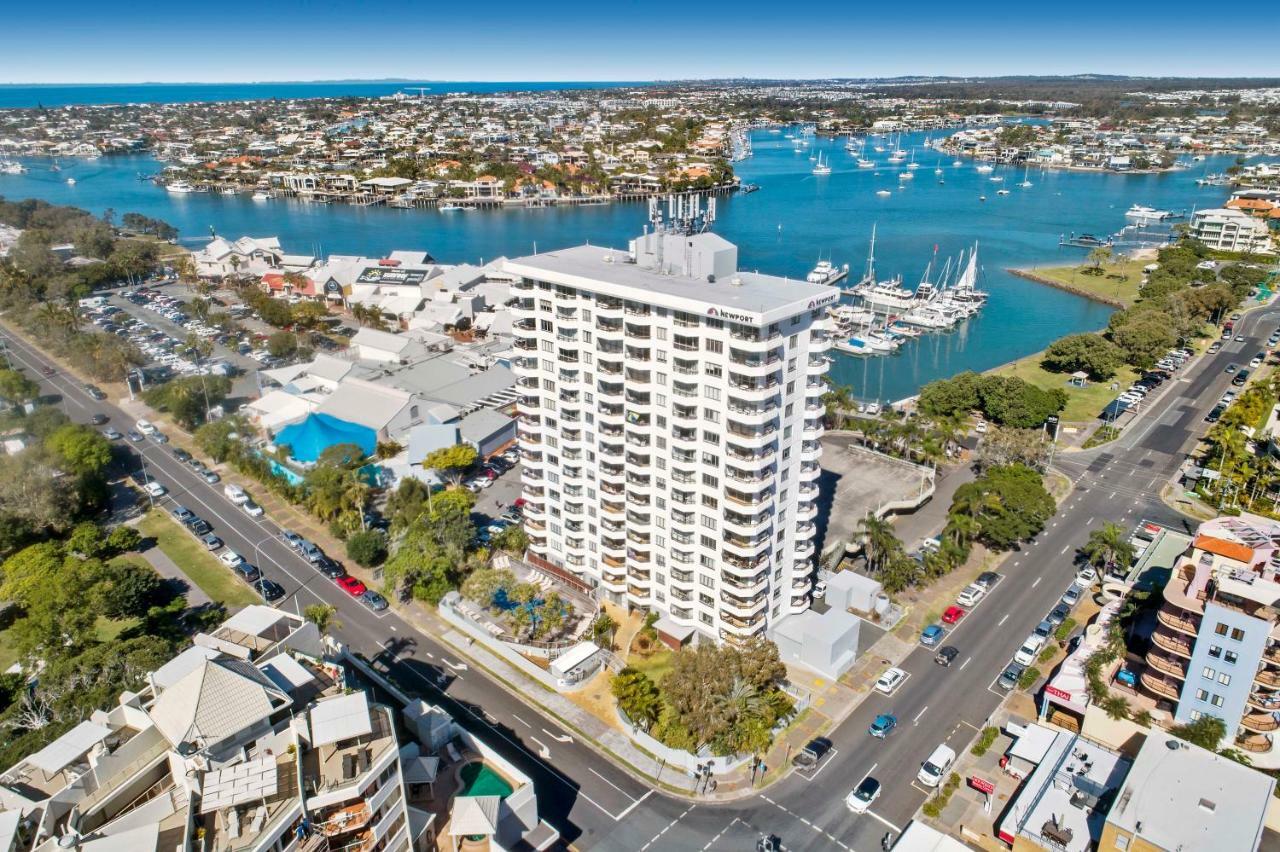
pixel 632 806
pixel 965 663
pixel 1036 583
pixel 1003 619
pixel 916 720
pixel 521 721
pixel 666 828
pixel 1086 523
pixel 1113 494
pixel 610 783
pixel 720 834
pixel 884 821
pixel 1064 549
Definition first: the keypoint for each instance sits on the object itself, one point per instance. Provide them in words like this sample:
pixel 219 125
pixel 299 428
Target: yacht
pixel 1026 180
pixel 985 169
pixel 957 163
pixel 227 190
pixel 827 272
pixel 866 164
pixel 996 179
pixel 883 193
pixel 886 297
pixel 1002 192
pixel 261 196
pixel 1139 215
pixel 179 186
pixel 822 167
pixel 906 176
pixel 847 318
pixel 71 181
pixel 450 208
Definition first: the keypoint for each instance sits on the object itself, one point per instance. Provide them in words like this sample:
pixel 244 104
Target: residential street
pixel 599 806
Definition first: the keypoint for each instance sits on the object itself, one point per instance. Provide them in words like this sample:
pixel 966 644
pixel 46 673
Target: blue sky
pixel 236 41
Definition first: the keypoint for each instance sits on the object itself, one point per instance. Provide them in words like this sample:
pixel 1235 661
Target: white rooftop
pixel 1191 799
pixel 254 619
pixel 69 747
pixel 178 668
pixel 287 673
pixel 341 718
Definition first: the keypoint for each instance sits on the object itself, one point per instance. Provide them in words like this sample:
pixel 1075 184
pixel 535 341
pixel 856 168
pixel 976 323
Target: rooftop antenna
pixel 685 215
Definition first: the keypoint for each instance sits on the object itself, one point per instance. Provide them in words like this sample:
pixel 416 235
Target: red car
pixel 952 615
pixel 351 586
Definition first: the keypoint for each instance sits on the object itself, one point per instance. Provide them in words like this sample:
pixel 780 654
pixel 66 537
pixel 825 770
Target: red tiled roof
pixel 1222 547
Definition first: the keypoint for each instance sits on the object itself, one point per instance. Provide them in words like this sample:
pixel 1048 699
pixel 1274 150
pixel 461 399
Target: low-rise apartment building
pixel 1230 229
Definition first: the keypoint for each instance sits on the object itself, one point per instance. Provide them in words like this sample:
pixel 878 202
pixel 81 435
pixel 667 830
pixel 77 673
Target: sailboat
pixel 913 165
pixel 938 169
pixel 1026 182
pixel 822 168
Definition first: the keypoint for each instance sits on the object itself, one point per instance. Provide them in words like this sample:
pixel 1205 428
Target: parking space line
pixel 867 774
pixel 884 821
pixel 1002 620
pixel 827 760
pixel 916 720
pixel 1036 582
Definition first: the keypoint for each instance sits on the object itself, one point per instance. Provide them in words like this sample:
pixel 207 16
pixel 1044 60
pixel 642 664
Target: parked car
pixel 952 615
pixel 292 539
pixel 183 514
pixel 1087 576
pixel 113 434
pixel 252 509
pixel 971 595
pixel 1071 596
pixel 135 436
pixel 1058 614
pixel 373 600
pixel 230 558
pixel 1010 676
pixel 330 568
pixel 211 542
pixel 351 586
pixel 159 437
pixel 931 635
pixel 234 493
pixel 247 571
pixel 155 489
pixel 987 580
pixel 862 796
pixel 883 725
pixel 814 751
pixel 933 770
pixel 269 589
pixel 97 419
pixel 1026 655
pixel 890 680
pixel 199 526
pixel 1044 629
pixel 311 552
pixel 146 427
pixel 95 392
pixel 210 476
pixel 181 455
pixel 946 655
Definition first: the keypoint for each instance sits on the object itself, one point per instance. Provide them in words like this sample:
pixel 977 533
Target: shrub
pixel 367 548
pixel 1064 629
pixel 1029 678
pixel 984 742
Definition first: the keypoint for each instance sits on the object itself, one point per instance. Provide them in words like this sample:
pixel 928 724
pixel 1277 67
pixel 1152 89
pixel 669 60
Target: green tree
pixel 451 462
pixel 1004 446
pixel 1009 504
pixel 189 399
pixel 1107 546
pixel 282 344
pixel 123 588
pixel 367 548
pixel 80 448
pixel 637 696
pixel 17 388
pixel 26 573
pixel 484 584
pixel 1207 732
pixel 603 629
pixel 322 616
pixel 1092 353
pixel 1143 338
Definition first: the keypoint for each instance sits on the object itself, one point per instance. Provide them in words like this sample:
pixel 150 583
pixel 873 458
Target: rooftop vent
pixel 1206 805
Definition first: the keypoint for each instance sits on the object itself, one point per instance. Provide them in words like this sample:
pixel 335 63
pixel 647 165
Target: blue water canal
pixel 784 228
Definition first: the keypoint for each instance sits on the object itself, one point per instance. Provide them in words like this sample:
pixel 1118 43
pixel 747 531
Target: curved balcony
pixel 813 430
pixel 1257 743
pixel 1174 621
pixel 805 531
pixel 752 439
pixel 815 390
pixel 739 624
pixel 753 415
pixel 801 584
pixel 1161 687
pixel 807 511
pixel 818 366
pixel 1167 665
pixel 747 526
pixel 803 550
pixel 810 451
pixel 799 603
pixel 819 345
pixel 747 588
pixel 754 366
pixel 612 509
pixel 1259 723
pixel 1272 655
pixel 810 472
pixel 743 607
pixel 1267 678
pixel 754 392
pixel 1167 640
pixel 524 309
pixel 1264 702
pixel 740 546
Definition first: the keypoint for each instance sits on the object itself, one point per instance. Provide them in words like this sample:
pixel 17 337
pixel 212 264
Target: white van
pixel 933 770
pixel 1027 653
pixel 93 302
pixel 235 493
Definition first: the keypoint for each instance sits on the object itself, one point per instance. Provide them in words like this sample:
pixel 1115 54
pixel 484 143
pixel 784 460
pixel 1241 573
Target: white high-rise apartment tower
pixel 670 413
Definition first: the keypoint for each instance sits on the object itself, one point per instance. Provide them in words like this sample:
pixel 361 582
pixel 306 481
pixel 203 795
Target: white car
pixel 251 508
pixel 981 427
pixel 155 489
pixel 861 797
pixel 234 493
pixel 890 680
pixel 230 558
pixel 970 596
pixel 146 427
pixel 1087 576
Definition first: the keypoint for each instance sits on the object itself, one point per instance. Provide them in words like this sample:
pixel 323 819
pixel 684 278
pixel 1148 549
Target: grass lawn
pixel 8 653
pixel 1102 285
pixel 203 568
pixel 656 665
pixel 1082 403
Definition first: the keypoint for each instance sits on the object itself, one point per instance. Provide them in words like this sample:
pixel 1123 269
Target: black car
pixel 248 572
pixel 1010 676
pixel 331 568
pixel 200 526
pixel 1216 414
pixel 813 752
pixel 269 589
pixel 95 392
pixel 987 580
pixel 182 455
pixel 1058 614
pixel 98 419
pixel 946 655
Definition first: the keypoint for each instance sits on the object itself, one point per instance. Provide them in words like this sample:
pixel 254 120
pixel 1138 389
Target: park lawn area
pixel 1125 291
pixel 655 665
pixel 1083 404
pixel 202 567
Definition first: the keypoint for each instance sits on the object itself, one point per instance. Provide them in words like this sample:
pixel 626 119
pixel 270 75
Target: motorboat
pixel 1002 192
pixel 261 196
pixel 450 208
pixel 71 181
pixel 10 167
pixel 985 169
pixel 883 193
pixel 1140 215
pixel 866 164
pixel 227 190
pixel 180 187
pixel 827 273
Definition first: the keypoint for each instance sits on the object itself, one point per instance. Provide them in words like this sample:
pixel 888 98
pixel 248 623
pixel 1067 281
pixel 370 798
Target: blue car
pixel 883 725
pixel 931 635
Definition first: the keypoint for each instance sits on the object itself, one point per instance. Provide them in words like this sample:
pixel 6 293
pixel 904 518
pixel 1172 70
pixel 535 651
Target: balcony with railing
pixel 1161 686
pixel 1176 619
pixel 684 366
pixel 750 477
pixel 1167 665
pixel 638 331
pixel 743 498
pixel 1254 743
pixel 748 623
pixel 754 363
pixel 1173 643
pixel 609 368
pixel 1259 723
pixel 753 386
pixel 743 606
pixel 810 451
pixel 746 586
pixel 745 454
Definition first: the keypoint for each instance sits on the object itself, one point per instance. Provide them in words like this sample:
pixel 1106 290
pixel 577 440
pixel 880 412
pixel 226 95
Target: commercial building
pixel 1180 796
pixel 1215 650
pixel 1229 229
pixel 670 414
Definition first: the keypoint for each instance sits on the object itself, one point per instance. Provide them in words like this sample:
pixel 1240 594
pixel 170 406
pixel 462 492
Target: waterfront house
pixel 1229 229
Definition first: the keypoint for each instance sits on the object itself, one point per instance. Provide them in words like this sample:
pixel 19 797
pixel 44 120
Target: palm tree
pixel 1107 546
pixel 878 540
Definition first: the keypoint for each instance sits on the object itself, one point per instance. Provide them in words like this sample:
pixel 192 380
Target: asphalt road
pixel 596 805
